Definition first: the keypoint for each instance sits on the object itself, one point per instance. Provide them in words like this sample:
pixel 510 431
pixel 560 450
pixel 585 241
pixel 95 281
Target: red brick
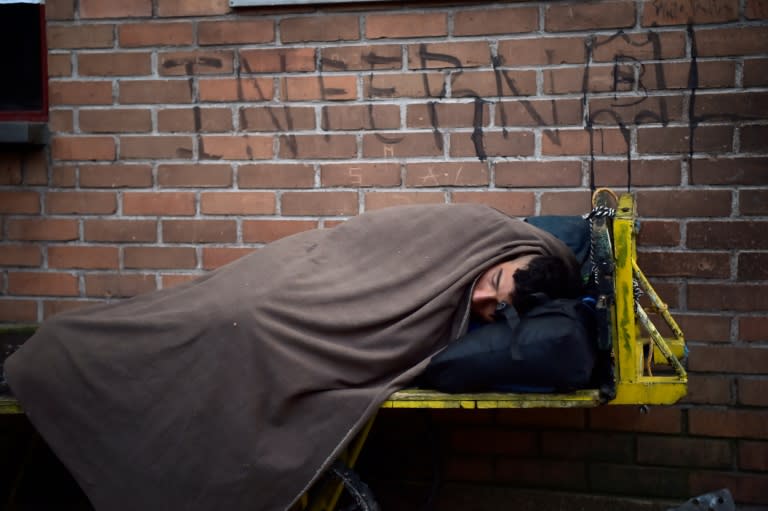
pixel 739 41
pixel 236 32
pixel 539 112
pixel 228 147
pixel 114 64
pixel 740 297
pixel 542 51
pixel 319 28
pixel 753 202
pixel 187 63
pixel 160 203
pixel 753 266
pixel 360 117
pixel 19 202
pixel 152 147
pixel 133 35
pixel 677 140
pixel 598 15
pixel 360 174
pixel 34 166
pixel 10 168
pixel 80 203
pixel 542 418
pixel 466 468
pixel 43 229
pixel 629 418
pixel 499 83
pixel 42 284
pixel 509 202
pixel 727 235
pixel 753 455
pixel 571 80
pixel 602 446
pixel 265 231
pixel 684 452
pixel 753 328
pixel 379 26
pixel 729 105
pixel 637 480
pixel 361 58
pixel 61 121
pixel 159 257
pixel 496 21
pixel 116 176
pixel 446 174
pixel 275 176
pixel 447 115
pixel 319 203
pixel 676 75
pixel 282 60
pixel 542 473
pixel 728 423
pixel 194 175
pixel 119 120
pixel 83 148
pixel 101 258
pixel 755 72
pixel 709 389
pixel 752 138
pixel 408 85
pixel 64 176
pixel 155 92
pixel 199 231
pixel 318 147
pixel 80 93
pixel 752 391
pixel 535 174
pixel 379 200
pixel 746 488
pixel 125 231
pixel 192 7
pixel 402 145
pixel 756 9
pixel 630 110
pixel 728 359
pixel 230 89
pixel 577 142
pixel 731 171
pixel 712 265
pixel 325 87
pixel 613 173
pixel 704 328
pixel 641 46
pixel 677 12
pixel 80 36
pixel 176 279
pixel 60 10
pixel 449 55
pixel 195 119
pixel 489 441
pixel 214 257
pixel 125 9
pixel 271 118
pixel 566 203
pixel 237 203
pixel 119 285
pixel 59 65
pixel 18 310
pixel 684 203
pixel 20 255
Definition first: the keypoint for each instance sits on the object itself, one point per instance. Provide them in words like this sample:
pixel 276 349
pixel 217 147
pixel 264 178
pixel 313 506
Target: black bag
pixel 551 348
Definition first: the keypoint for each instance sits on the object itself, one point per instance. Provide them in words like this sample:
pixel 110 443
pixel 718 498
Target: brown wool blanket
pixel 235 391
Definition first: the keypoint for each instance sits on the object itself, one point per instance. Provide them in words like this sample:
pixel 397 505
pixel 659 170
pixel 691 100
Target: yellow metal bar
pixel 660 343
pixel 418 398
pixel 657 302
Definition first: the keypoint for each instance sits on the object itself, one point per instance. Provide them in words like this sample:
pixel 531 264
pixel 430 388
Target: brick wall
pixel 186 134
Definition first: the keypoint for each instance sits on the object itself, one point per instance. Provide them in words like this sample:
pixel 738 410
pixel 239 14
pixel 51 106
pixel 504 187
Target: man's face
pixel 494 286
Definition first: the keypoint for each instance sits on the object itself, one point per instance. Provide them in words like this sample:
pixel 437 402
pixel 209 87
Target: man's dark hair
pixel 544 274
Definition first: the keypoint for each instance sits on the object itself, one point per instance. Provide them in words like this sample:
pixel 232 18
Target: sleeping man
pixel 237 390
